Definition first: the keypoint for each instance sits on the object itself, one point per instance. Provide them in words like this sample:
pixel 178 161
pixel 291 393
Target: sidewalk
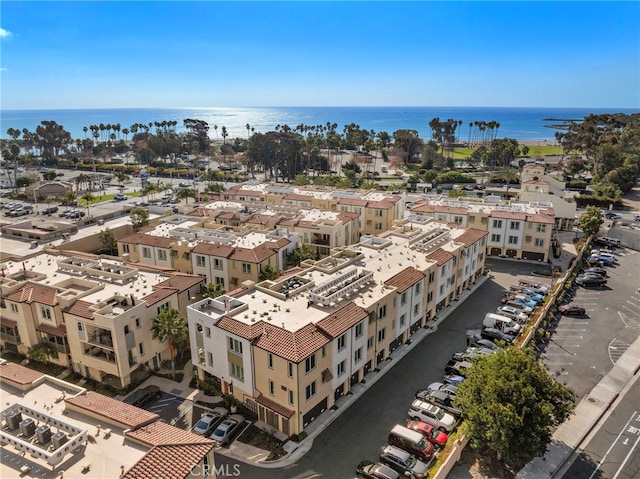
pixel 570 434
pixel 343 403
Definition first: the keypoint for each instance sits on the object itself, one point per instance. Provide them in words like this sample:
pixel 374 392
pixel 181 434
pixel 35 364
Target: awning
pixel 55 330
pixel 274 406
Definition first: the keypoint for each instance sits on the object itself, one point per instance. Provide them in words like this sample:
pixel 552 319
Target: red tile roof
pixel 274 406
pixel 160 433
pixel 510 215
pixel 181 282
pixel 423 208
pixel 405 279
pixel 253 255
pixel 382 204
pixel 158 295
pixel 470 236
pixel 126 415
pixel 170 462
pixel 51 329
pixel 227 215
pixel 540 218
pixel 80 308
pixel 260 219
pixel 148 240
pixel 18 374
pixel 347 216
pixel 352 202
pixel 211 249
pixel 34 293
pixel 341 320
pixel 440 256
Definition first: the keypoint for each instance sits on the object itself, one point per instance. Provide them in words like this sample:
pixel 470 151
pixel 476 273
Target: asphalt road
pixel 360 431
pixel 613 452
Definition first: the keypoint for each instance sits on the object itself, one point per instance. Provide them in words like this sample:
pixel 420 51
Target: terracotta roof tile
pixel 51 329
pixel 227 215
pixel 169 462
pixel 341 320
pixel 125 414
pixel 211 249
pixel 158 295
pixel 352 202
pixel 34 293
pixel 470 236
pixel 181 282
pixel 423 208
pixel 80 308
pixel 260 219
pixel 274 406
pixel 347 216
pixel 440 256
pixel 148 240
pixel 160 433
pixel 382 204
pixel 540 218
pixel 18 374
pixel 253 255
pixel 510 215
pixel 405 279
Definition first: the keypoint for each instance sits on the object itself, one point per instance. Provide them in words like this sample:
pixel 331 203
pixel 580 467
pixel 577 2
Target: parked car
pixel 513 313
pixel 599 259
pixel 76 214
pixel 449 389
pixel 143 397
pixel 442 400
pixel 496 335
pixel 471 352
pixel 411 441
pixel 183 184
pixel 532 295
pixel 590 280
pixel 119 197
pixel 523 309
pixel 225 432
pixel 605 242
pixel 403 462
pixel 375 470
pixel 479 342
pixel 434 435
pixel 596 270
pixel 526 300
pixel 572 309
pixel 458 368
pixel 610 215
pixel 535 287
pixel 50 210
pixel 209 421
pixel 453 379
pixel 431 414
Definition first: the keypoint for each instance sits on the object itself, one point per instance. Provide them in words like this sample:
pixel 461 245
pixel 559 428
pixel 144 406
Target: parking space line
pixel 566 337
pixel 612 444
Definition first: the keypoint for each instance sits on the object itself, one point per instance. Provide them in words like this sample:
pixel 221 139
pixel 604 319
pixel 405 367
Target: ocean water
pixel 517 122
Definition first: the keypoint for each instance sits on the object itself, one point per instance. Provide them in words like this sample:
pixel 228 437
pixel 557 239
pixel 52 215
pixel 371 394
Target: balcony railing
pixel 102 354
pixel 11 338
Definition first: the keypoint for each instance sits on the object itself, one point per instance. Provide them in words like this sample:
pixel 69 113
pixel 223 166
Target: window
pixel 514 225
pixel 138 323
pixel 209 358
pixel 378 226
pixel 370 342
pixel 403 298
pixel 272 387
pixel 235 346
pixel 217 263
pixel 174 254
pixel 528 239
pixel 126 329
pixel 472 219
pixel 441 289
pixel 417 288
pixel 162 307
pixel 341 368
pixel 458 219
pixel 430 296
pixel 45 312
pixel 416 309
pixel 141 349
pixel 290 369
pixel 146 252
pixel 81 327
pixel 495 238
pixel 379 213
pixel 432 277
pixel 125 248
pixel 357 356
pixel 310 363
pixel 290 397
pixel 219 281
pixel 403 319
pixel 310 391
pixel 539 242
pixel 236 371
pixel 484 221
pixel 14 307
pixel 541 228
pixel 162 255
pixel 270 358
pixel 342 342
pixel 381 334
pixel 324 351
pixel 359 329
pixel 207 331
pixel 513 240
pixel 497 223
pixel 246 268
pixel 201 261
pixel 382 312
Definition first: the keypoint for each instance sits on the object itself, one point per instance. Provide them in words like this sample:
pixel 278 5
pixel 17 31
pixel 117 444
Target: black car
pixel 596 270
pixel 493 334
pixel 144 397
pixel 50 210
pixel 590 280
pixel 372 470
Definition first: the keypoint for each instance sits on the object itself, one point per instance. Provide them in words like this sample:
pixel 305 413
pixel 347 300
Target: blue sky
pixel 208 54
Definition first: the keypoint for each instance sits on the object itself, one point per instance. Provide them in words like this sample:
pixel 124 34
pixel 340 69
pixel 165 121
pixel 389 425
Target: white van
pixel 504 324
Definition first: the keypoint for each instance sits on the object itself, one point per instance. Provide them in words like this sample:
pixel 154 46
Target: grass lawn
pixel 534 151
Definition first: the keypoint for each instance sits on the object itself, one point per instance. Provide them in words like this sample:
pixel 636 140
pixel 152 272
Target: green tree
pixel 212 290
pixel 49 175
pixel 185 194
pixel 511 405
pixel 23 181
pixel 591 220
pixel 301 254
pixel 42 353
pixel 88 198
pixel 139 218
pixel 108 240
pixel 215 188
pixel 409 143
pixel 169 327
pixel 268 273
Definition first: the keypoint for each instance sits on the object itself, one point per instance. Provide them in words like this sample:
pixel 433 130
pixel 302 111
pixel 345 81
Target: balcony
pixel 101 338
pixel 11 337
pixel 322 240
pixel 101 354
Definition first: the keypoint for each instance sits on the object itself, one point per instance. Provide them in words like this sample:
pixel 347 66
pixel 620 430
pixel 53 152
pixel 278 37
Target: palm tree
pixel 169 327
pixel 212 290
pixel 88 198
pixel 185 194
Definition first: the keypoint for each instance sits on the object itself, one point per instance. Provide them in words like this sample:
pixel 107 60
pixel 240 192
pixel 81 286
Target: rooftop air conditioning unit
pixel 59 439
pixel 43 433
pixel 27 427
pixel 13 417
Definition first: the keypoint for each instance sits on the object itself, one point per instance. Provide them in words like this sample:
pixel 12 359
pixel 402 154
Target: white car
pixel 209 421
pixel 431 414
pixel 513 313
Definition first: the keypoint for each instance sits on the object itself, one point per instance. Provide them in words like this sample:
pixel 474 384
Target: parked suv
pixel 411 441
pixel 50 210
pixel 403 462
pixel 431 414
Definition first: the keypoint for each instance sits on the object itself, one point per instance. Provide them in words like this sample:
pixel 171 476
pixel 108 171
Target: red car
pixel 572 309
pixel 430 433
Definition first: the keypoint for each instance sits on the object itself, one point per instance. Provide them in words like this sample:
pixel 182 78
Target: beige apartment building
pixel 289 348
pixel 96 314
pixel 516 230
